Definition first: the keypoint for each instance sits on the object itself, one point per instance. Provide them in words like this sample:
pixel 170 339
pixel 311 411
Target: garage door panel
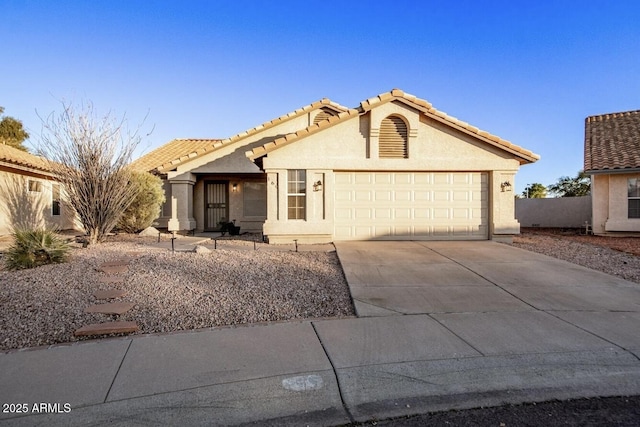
pixel 423 205
pixel 382 178
pixel 403 213
pixel 363 214
pixel 363 196
pixel 461 196
pixel 461 178
pixel 461 214
pixel 422 178
pixel 343 195
pixel 422 196
pixel 441 196
pixel 441 178
pixel 442 213
pixel 403 195
pixel 421 214
pixel 383 196
pixel 382 213
pixel 342 214
pixel 363 178
pixel 402 178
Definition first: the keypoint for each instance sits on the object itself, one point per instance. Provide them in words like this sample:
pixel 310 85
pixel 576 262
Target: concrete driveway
pixel 392 278
pixel 481 323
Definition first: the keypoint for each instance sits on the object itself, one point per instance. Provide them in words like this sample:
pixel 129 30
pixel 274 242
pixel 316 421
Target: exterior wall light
pixel 317 186
pixel 234 187
pixel 505 186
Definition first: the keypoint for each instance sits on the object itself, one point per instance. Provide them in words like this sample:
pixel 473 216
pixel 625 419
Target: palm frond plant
pixel 35 247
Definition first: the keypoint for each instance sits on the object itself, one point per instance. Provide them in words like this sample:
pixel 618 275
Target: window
pixel 55 199
pixel 255 198
pixel 35 186
pixel 633 194
pixel 296 193
pixel 393 138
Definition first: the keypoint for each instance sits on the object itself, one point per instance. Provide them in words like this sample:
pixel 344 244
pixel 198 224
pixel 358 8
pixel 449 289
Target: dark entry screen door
pixel 216 206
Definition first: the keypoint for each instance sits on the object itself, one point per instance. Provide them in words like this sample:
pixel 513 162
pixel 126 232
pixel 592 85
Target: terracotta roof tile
pixel 525 156
pixel 612 141
pixel 171 152
pixel 17 157
pixel 178 151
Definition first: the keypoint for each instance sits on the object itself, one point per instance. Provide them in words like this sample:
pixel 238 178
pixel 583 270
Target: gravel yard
pixel 171 291
pixel 233 284
pixel 619 256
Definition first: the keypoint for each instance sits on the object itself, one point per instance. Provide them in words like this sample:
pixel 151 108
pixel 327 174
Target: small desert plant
pixel 146 204
pixel 35 247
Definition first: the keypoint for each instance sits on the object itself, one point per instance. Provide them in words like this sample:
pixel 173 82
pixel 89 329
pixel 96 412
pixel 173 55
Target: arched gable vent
pixel 322 115
pixel 393 138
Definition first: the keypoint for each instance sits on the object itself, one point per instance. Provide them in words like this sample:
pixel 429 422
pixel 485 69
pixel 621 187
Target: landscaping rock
pixel 116 263
pixel 107 328
pixel 201 250
pixel 114 269
pixel 149 232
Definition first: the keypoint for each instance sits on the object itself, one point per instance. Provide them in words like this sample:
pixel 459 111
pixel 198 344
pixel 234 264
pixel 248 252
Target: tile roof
pixel 170 155
pixel 525 156
pixel 173 152
pixel 612 142
pixel 17 157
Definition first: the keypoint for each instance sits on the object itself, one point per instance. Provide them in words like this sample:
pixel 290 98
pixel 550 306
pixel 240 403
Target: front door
pixel 216 206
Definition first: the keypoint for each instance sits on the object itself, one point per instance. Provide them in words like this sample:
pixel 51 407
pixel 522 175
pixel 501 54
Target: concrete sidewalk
pixel 469 324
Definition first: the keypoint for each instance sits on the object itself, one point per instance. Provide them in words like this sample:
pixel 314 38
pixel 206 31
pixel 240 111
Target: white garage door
pixel 411 206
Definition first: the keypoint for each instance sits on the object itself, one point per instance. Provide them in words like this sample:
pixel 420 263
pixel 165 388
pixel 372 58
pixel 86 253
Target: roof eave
pixel 614 171
pixel 26 168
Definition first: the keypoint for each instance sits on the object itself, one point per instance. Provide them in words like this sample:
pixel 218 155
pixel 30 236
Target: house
pixel 612 158
pixel 392 168
pixel 30 193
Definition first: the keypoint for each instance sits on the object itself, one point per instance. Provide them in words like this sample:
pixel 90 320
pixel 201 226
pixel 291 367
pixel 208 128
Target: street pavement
pixel 441 325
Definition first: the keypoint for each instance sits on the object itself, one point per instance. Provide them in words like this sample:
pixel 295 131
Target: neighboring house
pixel 29 192
pixel 392 168
pixel 612 158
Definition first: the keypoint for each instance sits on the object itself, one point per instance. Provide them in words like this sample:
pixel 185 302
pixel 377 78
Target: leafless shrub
pixel 90 156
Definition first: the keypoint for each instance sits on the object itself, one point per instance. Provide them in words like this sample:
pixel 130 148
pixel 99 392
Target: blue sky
pixel 529 72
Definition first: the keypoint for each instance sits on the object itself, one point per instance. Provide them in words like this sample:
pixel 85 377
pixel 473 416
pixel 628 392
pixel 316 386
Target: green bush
pixel 145 206
pixel 33 248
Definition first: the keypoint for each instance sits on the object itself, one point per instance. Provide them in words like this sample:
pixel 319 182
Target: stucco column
pixel 182 203
pixel 504 223
pixel 273 196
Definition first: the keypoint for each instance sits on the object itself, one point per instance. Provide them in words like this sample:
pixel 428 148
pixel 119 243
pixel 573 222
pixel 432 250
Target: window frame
pixel 55 200
pixel 633 195
pixel 34 186
pixel 297 190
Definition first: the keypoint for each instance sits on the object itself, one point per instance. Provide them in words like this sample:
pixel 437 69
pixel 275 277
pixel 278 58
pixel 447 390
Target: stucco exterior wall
pixel 348 146
pixel 32 208
pixel 610 204
pixel 561 212
pixel 352 146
